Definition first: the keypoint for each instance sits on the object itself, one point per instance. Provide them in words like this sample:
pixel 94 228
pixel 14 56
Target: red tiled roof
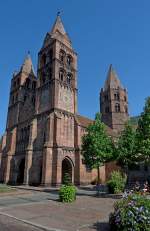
pixel 83 121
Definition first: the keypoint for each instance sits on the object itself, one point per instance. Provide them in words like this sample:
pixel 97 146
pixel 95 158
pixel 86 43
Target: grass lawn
pixel 5 188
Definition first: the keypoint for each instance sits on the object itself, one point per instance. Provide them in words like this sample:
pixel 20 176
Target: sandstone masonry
pixel 43 134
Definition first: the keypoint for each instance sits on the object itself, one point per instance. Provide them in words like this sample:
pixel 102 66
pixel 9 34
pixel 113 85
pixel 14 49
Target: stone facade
pixel 43 133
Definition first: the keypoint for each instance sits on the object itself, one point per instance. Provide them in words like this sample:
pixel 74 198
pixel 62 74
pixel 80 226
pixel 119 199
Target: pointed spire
pixel 58 25
pixel 112 80
pixel 57 32
pixel 27 65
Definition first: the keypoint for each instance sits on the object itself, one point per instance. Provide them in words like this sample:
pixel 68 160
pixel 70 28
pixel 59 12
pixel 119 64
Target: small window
pixel 51 56
pixel 13 100
pixel 18 82
pixel 106 97
pixel 25 97
pixel 62 56
pixel 43 77
pixel 117 107
pixel 69 60
pixel 44 137
pixel 125 98
pixel 43 60
pixel 69 77
pixel 14 84
pixel 61 75
pixel 28 132
pixel 33 85
pixel 117 96
pixel 21 135
pixel 16 99
pixel 25 133
pixel 33 100
pixel 126 109
pixel 107 109
pixel 50 73
pixel 27 84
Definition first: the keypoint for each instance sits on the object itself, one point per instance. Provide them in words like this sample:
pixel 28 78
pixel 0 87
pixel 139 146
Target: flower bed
pixel 132 213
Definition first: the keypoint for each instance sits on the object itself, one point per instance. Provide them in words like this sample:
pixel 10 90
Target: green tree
pixel 143 135
pixel 126 145
pixel 97 147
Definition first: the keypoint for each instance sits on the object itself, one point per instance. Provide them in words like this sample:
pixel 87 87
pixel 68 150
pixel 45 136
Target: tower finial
pixel 59 12
pixel 28 54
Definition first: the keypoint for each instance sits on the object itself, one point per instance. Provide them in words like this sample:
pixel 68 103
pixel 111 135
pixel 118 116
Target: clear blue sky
pixel 102 32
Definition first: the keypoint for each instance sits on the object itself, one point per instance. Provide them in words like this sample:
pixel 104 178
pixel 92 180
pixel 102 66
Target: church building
pixel 43 134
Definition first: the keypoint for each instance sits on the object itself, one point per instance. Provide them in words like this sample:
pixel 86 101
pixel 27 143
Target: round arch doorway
pixel 67 169
pixel 20 177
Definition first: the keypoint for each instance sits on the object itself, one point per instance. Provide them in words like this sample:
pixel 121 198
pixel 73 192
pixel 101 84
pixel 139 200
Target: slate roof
pixel 85 122
pixel 27 66
pixel 112 80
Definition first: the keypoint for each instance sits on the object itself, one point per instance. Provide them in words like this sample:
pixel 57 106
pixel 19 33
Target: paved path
pixel 10 224
pixel 43 210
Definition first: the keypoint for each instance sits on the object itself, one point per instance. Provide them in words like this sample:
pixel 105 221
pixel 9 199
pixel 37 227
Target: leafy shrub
pixel 117 182
pixel 67 193
pixel 131 213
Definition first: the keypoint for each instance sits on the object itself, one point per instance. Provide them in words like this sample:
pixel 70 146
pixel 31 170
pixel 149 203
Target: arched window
pixel 62 55
pixel 61 75
pixel 25 97
pixel 24 133
pixel 16 98
pixel 27 84
pixel 44 137
pixel 18 82
pixel 69 60
pixel 28 132
pixel 33 85
pixel 33 100
pixel 107 109
pixel 117 107
pixel 13 100
pixel 14 84
pixel 21 136
pixel 50 73
pixel 50 55
pixel 106 97
pixel 126 109
pixel 117 96
pixel 43 60
pixel 68 79
pixel 43 77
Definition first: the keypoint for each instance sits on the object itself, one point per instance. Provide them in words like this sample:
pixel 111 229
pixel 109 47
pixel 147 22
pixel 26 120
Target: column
pixel 29 151
pixel 47 166
pixel 48 152
pixel 10 152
